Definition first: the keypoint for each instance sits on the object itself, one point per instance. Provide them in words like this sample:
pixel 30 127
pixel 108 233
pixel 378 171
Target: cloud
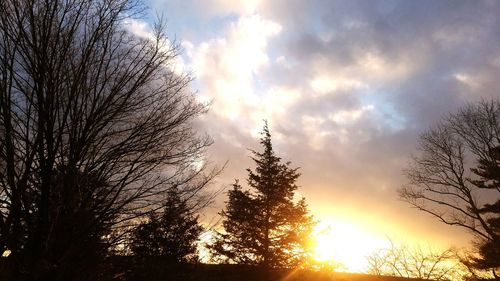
pixel 346 85
pixel 325 84
pixel 240 7
pixel 228 67
pixel 142 29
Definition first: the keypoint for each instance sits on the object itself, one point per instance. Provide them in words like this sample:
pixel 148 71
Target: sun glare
pixel 344 243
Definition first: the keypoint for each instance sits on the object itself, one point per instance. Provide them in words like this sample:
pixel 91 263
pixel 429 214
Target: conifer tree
pixel 445 183
pixel 173 234
pixel 488 171
pixel 265 226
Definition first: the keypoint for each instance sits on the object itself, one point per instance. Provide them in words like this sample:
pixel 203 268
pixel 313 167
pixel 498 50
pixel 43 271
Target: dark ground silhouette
pixel 123 268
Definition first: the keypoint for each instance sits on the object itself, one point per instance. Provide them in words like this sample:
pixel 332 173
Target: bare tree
pixel 455 176
pixel 94 125
pixel 415 262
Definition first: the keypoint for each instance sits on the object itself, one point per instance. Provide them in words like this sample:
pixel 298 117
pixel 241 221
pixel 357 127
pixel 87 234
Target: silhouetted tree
pixel 488 172
pixel 265 226
pixel 173 235
pixel 145 240
pixel 94 127
pixel 446 184
pixel 416 262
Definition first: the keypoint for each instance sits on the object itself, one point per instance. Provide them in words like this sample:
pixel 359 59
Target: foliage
pixel 173 235
pixel 95 127
pixel 447 185
pixel 489 249
pixel 265 226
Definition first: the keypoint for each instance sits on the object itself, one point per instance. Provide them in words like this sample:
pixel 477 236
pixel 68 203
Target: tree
pixel 174 235
pixel 455 177
pixel 489 179
pixel 94 127
pixel 415 262
pixel 265 226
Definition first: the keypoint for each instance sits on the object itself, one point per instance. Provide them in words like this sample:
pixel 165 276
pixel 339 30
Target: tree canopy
pixel 265 225
pixel 455 177
pixel 94 127
pixel 173 234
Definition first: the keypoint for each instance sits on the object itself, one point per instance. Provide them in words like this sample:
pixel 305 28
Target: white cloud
pixel 350 116
pixel 143 30
pixel 240 7
pixel 467 80
pixel 228 66
pixel 326 84
pixel 139 28
pixel 312 127
pixel 377 67
pixel 348 86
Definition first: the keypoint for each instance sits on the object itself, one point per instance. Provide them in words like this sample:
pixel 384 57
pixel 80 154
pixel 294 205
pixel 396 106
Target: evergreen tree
pixel 173 235
pixel 265 226
pixel 441 186
pixel 488 171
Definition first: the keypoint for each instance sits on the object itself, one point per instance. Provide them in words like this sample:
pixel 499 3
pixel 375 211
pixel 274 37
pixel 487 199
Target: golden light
pixel 344 243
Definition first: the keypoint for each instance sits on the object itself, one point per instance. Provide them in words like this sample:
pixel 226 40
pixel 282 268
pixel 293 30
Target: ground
pixel 159 271
pixel 156 269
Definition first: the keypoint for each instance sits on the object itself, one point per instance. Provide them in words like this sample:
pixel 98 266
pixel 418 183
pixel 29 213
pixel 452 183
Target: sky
pixel 346 86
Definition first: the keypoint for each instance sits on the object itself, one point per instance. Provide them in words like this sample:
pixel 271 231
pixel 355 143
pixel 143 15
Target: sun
pixel 344 243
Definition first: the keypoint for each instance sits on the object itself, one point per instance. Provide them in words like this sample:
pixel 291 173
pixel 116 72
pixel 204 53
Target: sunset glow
pixel 249 140
pixel 344 103
pixel 345 244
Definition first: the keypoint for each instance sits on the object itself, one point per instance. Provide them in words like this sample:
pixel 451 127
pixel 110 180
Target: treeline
pixel 99 157
pixel 95 131
pixel 265 226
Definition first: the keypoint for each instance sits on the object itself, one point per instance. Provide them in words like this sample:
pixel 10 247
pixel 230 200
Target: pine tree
pixel 265 226
pixel 172 235
pixel 488 171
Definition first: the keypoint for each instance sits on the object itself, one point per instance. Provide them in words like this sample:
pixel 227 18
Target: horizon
pixel 347 87
pixel 356 136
